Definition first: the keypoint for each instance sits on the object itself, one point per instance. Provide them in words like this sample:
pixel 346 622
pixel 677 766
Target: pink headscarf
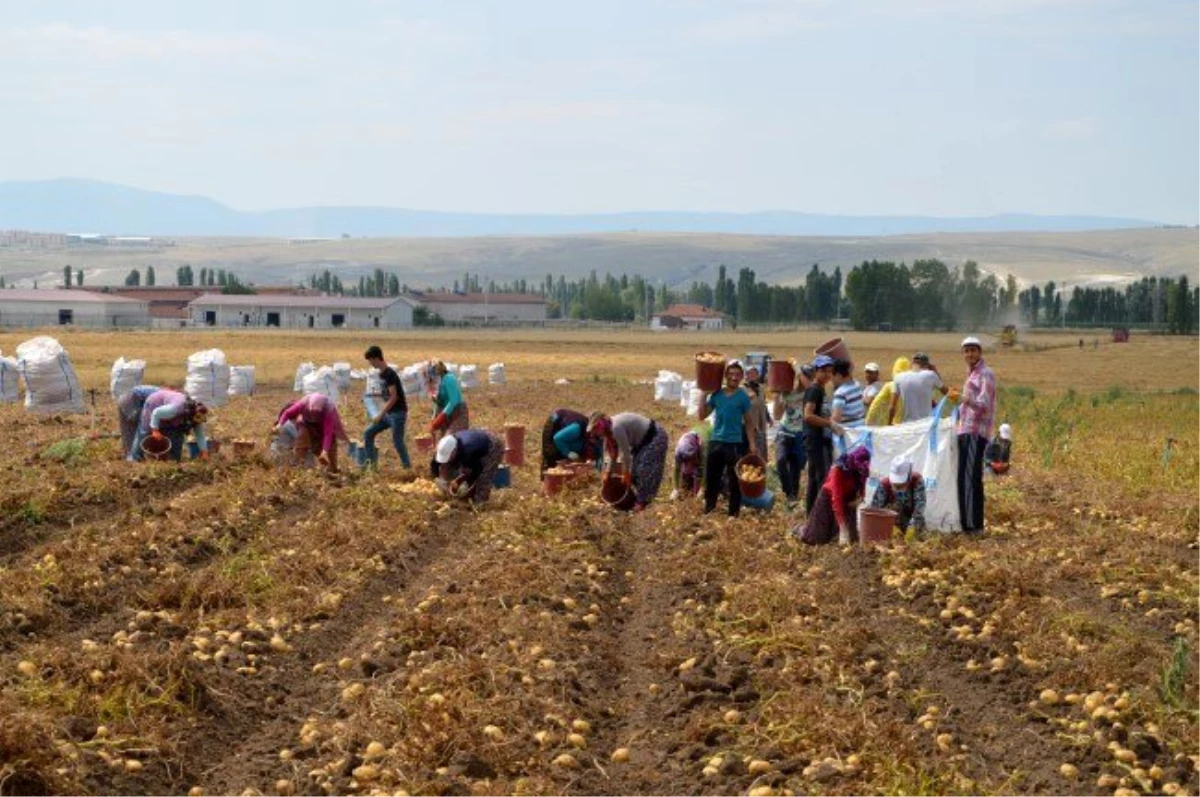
pixel 315 410
pixel 856 461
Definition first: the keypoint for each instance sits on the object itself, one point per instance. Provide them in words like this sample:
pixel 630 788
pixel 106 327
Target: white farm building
pixel 301 312
pixel 474 308
pixel 61 307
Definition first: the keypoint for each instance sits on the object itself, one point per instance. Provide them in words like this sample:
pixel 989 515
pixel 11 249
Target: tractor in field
pixel 1008 336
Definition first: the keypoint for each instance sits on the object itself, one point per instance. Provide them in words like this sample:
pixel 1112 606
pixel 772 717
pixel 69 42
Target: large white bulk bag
pixel 50 381
pixel 668 386
pixel 451 368
pixel 342 372
pixel 10 380
pixel 323 380
pixel 125 376
pixel 685 393
pixel 496 375
pixel 302 370
pixel 241 380
pixel 695 399
pixel 412 379
pixel 208 378
pixel 933 448
pixel 468 377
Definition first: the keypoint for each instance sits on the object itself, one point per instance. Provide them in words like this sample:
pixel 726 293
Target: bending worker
pixel 170 414
pixel 450 411
pixel 129 412
pixel 320 427
pixel 466 463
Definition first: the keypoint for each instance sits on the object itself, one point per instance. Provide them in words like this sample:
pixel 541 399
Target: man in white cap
pixel 472 457
pixel 903 492
pixel 872 386
pixel 999 450
pixel 977 409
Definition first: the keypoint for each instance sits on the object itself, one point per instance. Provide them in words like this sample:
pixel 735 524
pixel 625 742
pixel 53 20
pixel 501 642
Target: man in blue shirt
pixel 733 424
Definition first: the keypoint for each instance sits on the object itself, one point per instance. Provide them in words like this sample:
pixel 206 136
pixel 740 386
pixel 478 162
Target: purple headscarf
pixel 856 461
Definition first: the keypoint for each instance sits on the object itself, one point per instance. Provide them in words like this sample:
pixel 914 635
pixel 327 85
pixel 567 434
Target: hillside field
pixel 230 627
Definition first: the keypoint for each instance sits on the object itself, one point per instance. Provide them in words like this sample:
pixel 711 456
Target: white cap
pixel 970 340
pixel 901 470
pixel 873 367
pixel 446 448
pixel 1005 432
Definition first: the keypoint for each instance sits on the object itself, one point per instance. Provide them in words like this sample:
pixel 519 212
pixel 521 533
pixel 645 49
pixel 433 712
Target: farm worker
pixel 638 446
pixel 915 390
pixel 976 411
pixel 171 414
pixel 903 491
pixel 790 458
pixel 129 413
pixel 467 462
pixel 999 450
pixel 838 501
pixel 392 415
pixel 450 411
pixel 877 413
pixel 284 445
pixel 733 427
pixel 848 410
pixel 872 384
pixel 319 426
pixel 689 461
pixel 818 448
pixel 564 436
pixel 758 407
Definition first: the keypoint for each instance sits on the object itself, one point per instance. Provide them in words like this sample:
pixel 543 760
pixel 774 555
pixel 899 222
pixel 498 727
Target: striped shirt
pixel 977 411
pixel 849 399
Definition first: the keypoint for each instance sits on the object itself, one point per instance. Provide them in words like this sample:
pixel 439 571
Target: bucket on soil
pixel 835 348
pixel 781 376
pixel 502 479
pixel 752 475
pixel 243 449
pixel 617 494
pixel 157 450
pixel 514 435
pixel 710 371
pixel 553 481
pixel 875 526
pixel 424 443
pixel 514 456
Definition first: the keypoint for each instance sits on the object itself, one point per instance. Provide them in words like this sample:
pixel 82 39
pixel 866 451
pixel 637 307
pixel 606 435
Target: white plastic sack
pixel 208 378
pixel 342 371
pixel 302 370
pixel 241 380
pixel 412 379
pixel 10 379
pixel 323 380
pixel 685 393
pixel 933 448
pixel 468 377
pixel 695 399
pixel 50 381
pixel 496 375
pixel 668 386
pixel 125 376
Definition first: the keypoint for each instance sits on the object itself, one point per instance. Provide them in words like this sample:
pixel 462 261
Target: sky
pixel 904 107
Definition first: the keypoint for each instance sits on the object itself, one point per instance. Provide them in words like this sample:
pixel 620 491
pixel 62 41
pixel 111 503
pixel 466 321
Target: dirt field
pixel 228 627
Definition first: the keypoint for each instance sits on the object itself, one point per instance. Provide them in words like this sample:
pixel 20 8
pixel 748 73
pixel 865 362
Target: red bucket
pixel 617 494
pixel 553 481
pixel 781 376
pixel 835 348
pixel 514 457
pixel 514 435
pixel 875 526
pixel 424 443
pixel 710 371
pixel 156 449
pixel 752 488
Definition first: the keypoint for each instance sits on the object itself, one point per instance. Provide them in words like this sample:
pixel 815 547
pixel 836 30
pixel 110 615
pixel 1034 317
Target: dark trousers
pixel 790 458
pixel 970 480
pixel 819 451
pixel 720 464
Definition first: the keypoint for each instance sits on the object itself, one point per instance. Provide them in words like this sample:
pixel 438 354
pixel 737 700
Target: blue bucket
pixel 193 449
pixel 503 478
pixel 763 503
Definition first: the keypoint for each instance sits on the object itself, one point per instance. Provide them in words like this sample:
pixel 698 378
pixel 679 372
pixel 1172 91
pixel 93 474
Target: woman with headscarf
pixel 171 414
pixel 838 501
pixel 877 413
pixel 689 461
pixel 466 463
pixel 129 413
pixel 319 426
pixel 638 446
pixel 449 409
pixel 564 436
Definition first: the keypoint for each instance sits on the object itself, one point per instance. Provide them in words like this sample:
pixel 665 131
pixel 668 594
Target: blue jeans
pixel 395 421
pixel 790 460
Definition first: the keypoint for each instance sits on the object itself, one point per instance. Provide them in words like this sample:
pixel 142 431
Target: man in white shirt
pixel 915 390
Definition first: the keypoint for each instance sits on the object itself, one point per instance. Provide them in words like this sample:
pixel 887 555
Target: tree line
pixel 1158 302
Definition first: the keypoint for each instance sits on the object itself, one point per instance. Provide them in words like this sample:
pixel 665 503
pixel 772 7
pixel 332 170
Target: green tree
pixel 133 279
pixel 150 276
pixel 66 276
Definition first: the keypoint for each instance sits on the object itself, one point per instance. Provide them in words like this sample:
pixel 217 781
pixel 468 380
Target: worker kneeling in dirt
pixel 903 492
pixel 169 414
pixel 999 450
pixel 689 461
pixel 318 426
pixel 564 436
pixel 466 462
pixel 837 502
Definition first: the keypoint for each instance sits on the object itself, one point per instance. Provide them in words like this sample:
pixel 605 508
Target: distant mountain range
pixel 89 206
